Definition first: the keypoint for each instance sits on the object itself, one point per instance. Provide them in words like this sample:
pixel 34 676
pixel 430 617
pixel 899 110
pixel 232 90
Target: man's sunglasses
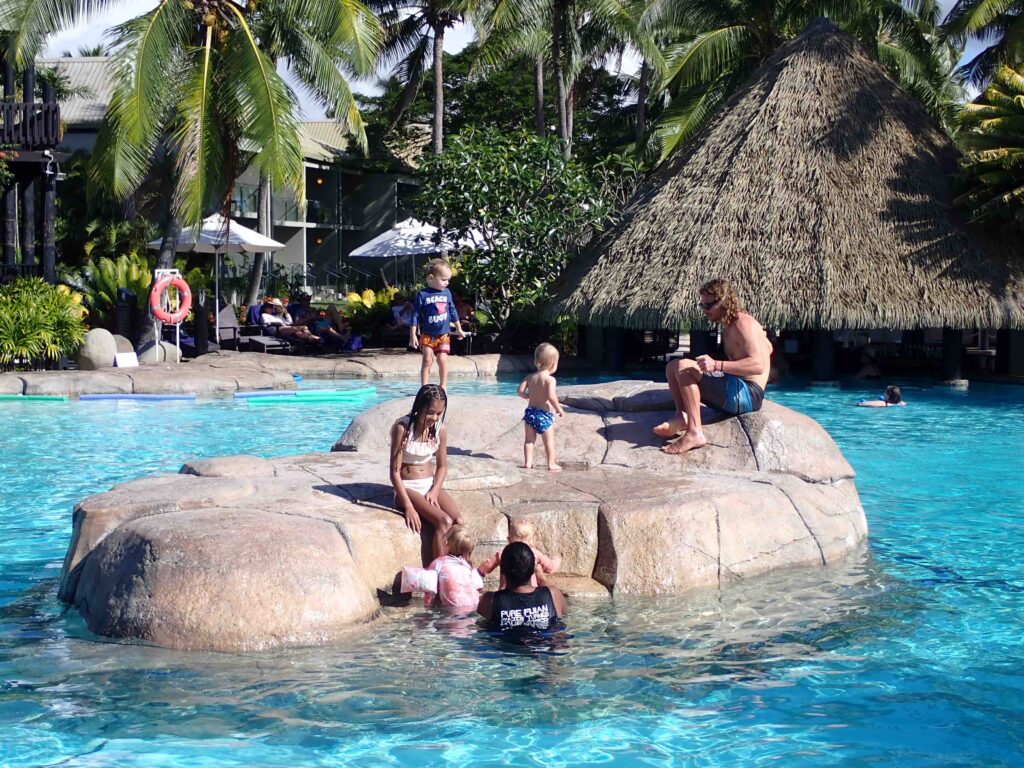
pixel 709 306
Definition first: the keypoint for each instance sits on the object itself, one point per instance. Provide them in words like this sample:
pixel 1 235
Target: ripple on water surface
pixel 906 654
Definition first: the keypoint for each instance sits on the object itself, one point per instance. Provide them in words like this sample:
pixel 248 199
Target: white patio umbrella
pixel 413 238
pixel 216 236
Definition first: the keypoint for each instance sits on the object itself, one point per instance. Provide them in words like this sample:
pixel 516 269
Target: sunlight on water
pixel 905 654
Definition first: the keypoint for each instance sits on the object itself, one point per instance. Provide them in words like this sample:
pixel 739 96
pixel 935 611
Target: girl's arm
pixel 412 518
pixel 547 564
pixel 553 399
pixel 524 389
pixel 440 470
pixel 490 564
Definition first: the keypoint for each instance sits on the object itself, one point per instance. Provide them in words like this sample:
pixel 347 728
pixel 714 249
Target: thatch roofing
pixel 824 192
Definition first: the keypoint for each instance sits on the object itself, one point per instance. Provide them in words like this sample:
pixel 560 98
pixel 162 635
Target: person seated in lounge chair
pixel 401 314
pixel 277 322
pixel 334 328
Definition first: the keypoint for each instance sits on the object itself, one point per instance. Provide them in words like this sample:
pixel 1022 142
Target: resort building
pixel 347 203
pixel 825 193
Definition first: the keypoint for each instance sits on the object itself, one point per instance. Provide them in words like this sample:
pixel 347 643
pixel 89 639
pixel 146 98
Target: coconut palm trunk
pixel 538 94
pixel 557 25
pixel 264 225
pixel 641 103
pixel 439 87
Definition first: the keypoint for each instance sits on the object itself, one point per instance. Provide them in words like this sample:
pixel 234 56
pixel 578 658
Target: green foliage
pixel 39 322
pixel 200 79
pixel 992 139
pixel 996 25
pixel 532 208
pixel 369 311
pixel 714 47
pixel 99 280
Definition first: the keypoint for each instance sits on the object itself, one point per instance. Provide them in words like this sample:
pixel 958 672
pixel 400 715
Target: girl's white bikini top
pixel 417 451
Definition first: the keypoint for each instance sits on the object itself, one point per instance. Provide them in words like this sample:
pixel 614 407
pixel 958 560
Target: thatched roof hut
pixel 824 192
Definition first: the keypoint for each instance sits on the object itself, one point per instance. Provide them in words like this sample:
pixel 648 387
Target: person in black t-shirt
pixel 521 608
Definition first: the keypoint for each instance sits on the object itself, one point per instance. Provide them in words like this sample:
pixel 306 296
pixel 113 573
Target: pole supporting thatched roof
pixel 824 192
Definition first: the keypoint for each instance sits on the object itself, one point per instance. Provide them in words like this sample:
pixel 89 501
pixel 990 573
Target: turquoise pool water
pixel 909 654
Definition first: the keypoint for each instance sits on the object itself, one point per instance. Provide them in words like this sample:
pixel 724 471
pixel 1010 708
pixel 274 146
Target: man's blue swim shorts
pixel 539 419
pixel 730 394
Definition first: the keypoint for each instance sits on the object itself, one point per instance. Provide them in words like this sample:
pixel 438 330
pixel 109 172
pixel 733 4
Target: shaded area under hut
pixel 825 193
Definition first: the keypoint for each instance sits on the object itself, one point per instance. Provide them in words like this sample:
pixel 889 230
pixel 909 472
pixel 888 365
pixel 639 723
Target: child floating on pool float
pixel 892 396
pixel 419 463
pixel 522 531
pixel 433 315
pixel 539 389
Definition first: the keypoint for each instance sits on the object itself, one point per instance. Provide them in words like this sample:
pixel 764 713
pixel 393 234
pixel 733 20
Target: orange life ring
pixel 184 299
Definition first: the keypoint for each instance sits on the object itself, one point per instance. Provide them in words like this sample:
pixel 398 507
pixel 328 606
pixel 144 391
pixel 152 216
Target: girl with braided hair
pixel 419 463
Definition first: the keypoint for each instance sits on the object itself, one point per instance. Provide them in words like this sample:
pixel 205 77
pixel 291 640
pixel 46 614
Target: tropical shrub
pixel 529 207
pixel 39 322
pixel 99 280
pixel 370 310
pixel 993 148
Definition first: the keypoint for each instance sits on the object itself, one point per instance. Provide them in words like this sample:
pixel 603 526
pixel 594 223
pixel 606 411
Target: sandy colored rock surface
pixel 229 580
pixel 178 560
pixel 77 383
pixel 11 384
pixel 97 350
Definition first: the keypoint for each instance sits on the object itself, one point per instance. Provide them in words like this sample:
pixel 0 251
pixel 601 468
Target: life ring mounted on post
pixel 184 299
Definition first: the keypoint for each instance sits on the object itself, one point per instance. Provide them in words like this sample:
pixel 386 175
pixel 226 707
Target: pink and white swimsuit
pixel 458 584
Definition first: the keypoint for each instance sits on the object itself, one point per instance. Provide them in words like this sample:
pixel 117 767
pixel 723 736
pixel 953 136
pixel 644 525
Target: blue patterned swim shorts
pixel 539 419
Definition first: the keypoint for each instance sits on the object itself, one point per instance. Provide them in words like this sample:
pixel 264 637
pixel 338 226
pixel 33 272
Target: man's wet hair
pixel 517 564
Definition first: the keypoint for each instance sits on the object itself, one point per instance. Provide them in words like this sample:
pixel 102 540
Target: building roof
pixel 86 72
pixel 824 192
pixel 321 140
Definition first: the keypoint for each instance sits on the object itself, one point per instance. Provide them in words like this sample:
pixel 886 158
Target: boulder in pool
pixel 243 553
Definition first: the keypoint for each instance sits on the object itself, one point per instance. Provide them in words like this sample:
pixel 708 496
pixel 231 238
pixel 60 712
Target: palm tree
pixel 993 145
pixel 196 80
pixel 999 25
pixel 718 44
pixel 575 33
pixel 413 31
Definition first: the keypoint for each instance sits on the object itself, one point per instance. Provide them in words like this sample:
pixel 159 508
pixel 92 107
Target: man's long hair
pixel 727 298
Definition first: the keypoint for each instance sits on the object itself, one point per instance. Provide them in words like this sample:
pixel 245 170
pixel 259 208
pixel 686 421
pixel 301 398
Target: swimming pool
pixel 909 654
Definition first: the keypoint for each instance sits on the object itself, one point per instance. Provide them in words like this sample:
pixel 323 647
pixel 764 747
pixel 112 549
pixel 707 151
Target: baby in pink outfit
pixel 458 584
pixel 521 530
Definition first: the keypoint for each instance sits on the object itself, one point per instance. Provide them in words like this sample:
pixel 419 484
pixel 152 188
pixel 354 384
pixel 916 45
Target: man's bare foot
pixel 554 468
pixel 671 428
pixel 687 442
pixel 526 466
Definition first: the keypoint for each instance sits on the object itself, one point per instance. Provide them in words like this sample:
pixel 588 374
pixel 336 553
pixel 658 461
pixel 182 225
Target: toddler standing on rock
pixel 539 389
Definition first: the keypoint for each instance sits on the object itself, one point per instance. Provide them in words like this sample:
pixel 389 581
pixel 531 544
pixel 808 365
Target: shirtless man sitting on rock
pixel 733 386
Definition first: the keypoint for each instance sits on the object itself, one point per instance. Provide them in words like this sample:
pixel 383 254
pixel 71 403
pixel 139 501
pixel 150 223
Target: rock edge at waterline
pixel 242 553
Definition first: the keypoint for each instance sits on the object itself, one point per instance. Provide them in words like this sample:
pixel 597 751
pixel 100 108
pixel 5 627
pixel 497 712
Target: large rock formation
pixel 243 553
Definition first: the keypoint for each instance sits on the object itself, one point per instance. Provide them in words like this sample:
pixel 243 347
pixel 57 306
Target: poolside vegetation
pixel 198 97
pixel 39 323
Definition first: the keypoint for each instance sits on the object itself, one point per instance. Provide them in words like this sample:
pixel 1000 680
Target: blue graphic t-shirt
pixel 433 311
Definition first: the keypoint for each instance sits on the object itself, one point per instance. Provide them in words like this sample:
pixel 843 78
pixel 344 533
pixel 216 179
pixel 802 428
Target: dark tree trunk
pixel 28 188
pixel 11 193
pixel 11 226
pixel 439 88
pixel 538 94
pixel 558 21
pixel 641 103
pixel 264 225
pixel 49 223
pixel 49 206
